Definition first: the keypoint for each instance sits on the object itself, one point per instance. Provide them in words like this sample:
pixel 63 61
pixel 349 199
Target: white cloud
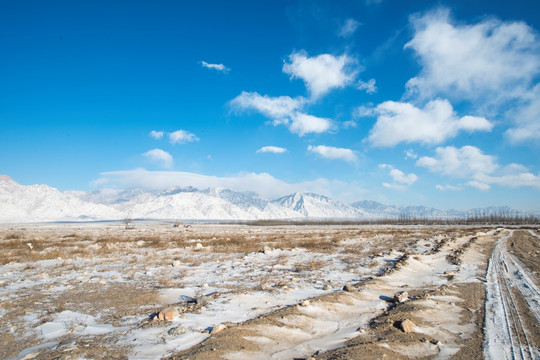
pixel 160 157
pixel 182 136
pixel 272 149
pixel 410 154
pixel 487 60
pixel 448 187
pixel 349 124
pixel 403 122
pixel 218 67
pixel 513 179
pixel 400 177
pixel 482 170
pixel 526 118
pixel 478 185
pixel 282 110
pixel 348 28
pixel 464 162
pixel 400 180
pixel 368 86
pixel 263 183
pixel 321 73
pixel 304 123
pixel 156 134
pixel 334 153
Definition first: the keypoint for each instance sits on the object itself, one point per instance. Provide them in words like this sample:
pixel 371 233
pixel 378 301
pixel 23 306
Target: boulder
pixel 218 328
pixel 168 313
pixel 407 326
pixel 401 296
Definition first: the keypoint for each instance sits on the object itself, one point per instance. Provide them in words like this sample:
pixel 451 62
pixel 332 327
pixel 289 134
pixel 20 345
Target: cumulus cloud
pixel 491 57
pixel 368 86
pixel 469 162
pixel 334 153
pixel 348 28
pixel 321 73
pixel 261 183
pixel 303 123
pixel 156 134
pixel 272 149
pixel 515 178
pixel 218 67
pixel 282 110
pixel 463 162
pixel 403 122
pixel 160 157
pixel 181 137
pixel 526 118
pixel 478 185
pixel 400 180
pixel 279 108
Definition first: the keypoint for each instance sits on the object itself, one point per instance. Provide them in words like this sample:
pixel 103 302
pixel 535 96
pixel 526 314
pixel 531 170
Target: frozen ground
pixel 93 291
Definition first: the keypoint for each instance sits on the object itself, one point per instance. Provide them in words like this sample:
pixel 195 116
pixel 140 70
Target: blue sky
pixel 402 102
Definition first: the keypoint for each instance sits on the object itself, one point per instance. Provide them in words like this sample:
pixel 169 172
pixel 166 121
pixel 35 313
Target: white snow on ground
pixel 246 283
pixel 505 337
pixel 73 322
pixel 325 325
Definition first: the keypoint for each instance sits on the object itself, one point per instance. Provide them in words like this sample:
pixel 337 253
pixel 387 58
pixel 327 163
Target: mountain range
pixel 42 203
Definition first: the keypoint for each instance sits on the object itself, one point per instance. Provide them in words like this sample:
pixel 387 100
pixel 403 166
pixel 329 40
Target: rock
pixel 327 287
pixel 305 303
pixel 179 330
pixel 168 313
pixel 401 296
pixel 199 246
pixel 176 263
pixel 218 328
pixel 348 288
pixel 282 283
pixel 406 326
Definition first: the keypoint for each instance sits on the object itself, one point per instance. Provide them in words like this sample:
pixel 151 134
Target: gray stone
pixel 178 330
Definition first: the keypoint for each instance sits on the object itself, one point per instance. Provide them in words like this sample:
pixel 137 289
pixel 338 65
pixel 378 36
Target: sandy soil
pixel 92 291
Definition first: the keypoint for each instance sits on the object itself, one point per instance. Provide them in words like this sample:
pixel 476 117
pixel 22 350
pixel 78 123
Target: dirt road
pixel 507 335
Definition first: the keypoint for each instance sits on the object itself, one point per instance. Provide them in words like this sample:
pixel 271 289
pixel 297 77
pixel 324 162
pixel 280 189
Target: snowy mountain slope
pixel 42 203
pixel 35 203
pixel 394 212
pixel 318 206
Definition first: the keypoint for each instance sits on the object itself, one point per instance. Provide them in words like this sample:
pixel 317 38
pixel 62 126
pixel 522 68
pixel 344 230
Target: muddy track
pixel 505 330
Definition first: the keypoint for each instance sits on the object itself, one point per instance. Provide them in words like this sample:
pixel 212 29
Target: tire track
pixel 506 335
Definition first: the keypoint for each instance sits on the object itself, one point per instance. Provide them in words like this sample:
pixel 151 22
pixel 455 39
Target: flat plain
pixel 224 291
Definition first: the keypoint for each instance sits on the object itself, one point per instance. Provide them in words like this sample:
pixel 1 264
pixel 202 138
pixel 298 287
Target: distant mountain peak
pixel 37 203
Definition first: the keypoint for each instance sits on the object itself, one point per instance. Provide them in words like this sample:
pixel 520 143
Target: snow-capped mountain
pixel 394 212
pixel 318 206
pixel 42 203
pixel 37 203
